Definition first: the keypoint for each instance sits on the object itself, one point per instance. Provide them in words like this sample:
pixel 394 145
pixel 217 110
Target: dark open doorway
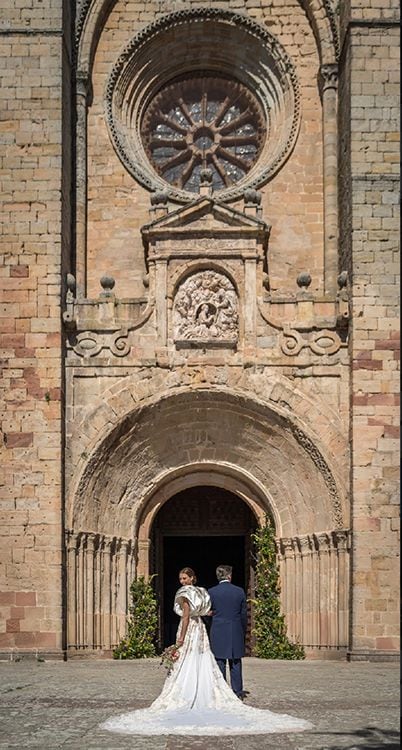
pixel 200 527
pixel 203 554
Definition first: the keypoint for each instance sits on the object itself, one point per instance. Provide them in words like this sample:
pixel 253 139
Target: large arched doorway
pixel 200 527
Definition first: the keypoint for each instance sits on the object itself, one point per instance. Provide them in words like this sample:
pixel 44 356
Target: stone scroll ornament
pixel 206 310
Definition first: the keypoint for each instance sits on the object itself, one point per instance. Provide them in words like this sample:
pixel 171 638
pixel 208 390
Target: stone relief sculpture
pixel 206 310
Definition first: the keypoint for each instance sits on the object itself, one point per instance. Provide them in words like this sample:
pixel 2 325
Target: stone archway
pixel 224 439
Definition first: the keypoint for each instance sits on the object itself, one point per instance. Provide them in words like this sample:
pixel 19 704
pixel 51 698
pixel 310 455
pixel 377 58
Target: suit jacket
pixel 229 621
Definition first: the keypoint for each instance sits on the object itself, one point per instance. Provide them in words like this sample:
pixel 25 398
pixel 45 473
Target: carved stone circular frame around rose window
pixel 213 46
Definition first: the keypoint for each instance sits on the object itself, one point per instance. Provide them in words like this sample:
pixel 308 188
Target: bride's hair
pixel 190 573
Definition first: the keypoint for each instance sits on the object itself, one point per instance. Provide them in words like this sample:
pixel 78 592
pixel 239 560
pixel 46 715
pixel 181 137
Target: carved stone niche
pixel 207 262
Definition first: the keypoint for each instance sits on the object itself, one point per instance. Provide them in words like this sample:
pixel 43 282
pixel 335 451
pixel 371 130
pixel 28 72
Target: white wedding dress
pixel 195 699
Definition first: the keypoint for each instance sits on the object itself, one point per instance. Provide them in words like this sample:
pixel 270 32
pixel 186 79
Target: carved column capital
pixel 83 86
pixel 341 539
pixel 322 541
pixel 287 547
pixel 328 77
pixel 304 544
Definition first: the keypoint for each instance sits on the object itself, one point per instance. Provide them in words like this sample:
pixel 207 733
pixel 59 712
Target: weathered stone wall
pixel 369 92
pixel 31 353
pixel 299 416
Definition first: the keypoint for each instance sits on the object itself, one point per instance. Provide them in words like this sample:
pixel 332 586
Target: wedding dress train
pixel 195 699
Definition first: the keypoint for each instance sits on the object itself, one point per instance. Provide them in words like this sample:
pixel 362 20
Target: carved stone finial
pixel 265 282
pixel 252 196
pixel 159 197
pixel 342 279
pixel 107 283
pixel 303 280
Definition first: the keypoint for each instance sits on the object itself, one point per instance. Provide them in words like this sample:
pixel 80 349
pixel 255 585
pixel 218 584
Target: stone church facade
pixel 199 317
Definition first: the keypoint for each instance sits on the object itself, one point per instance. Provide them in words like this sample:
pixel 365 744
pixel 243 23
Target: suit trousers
pixel 235 669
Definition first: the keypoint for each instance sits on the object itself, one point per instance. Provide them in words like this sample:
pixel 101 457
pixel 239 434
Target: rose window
pixel 203 121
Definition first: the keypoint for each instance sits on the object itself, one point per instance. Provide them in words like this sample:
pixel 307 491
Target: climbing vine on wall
pixel 271 640
pixel 139 641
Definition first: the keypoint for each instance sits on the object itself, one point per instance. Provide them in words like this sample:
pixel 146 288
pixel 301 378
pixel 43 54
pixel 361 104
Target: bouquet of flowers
pixel 169 655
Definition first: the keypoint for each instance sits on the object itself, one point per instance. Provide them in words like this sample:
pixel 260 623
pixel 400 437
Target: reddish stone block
pixel 6 640
pixel 387 644
pixel 18 272
pixel 383 399
pixel 18 439
pixel 391 430
pixel 360 400
pixel 12 340
pixel 23 353
pixel 387 344
pixel 368 364
pixel 46 640
pixel 7 597
pixel 25 640
pixel 25 598
pixel 12 626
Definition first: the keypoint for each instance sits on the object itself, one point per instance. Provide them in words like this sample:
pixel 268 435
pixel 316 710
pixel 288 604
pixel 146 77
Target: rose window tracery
pixel 203 121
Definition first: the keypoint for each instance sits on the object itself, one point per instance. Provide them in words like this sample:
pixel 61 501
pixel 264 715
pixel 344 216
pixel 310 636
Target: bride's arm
pixel 184 622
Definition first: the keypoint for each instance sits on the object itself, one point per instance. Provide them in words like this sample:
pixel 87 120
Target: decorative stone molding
pixel 205 311
pixel 320 342
pixel 323 467
pixel 105 323
pixel 269 73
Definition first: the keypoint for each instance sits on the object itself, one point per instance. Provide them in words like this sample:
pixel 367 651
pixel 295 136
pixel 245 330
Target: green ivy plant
pixel 271 640
pixel 139 641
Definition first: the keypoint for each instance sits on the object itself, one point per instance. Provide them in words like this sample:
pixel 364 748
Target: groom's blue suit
pixel 228 629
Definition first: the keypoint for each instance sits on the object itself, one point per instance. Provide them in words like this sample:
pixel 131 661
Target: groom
pixel 228 629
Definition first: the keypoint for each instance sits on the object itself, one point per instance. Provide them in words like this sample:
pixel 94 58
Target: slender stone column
pixel 72 589
pixel 305 585
pixel 106 594
pixel 121 608
pixel 323 541
pixel 289 598
pixel 80 591
pixel 98 593
pixel 333 592
pixel 315 596
pixel 90 590
pixel 298 625
pixel 82 92
pixel 329 92
pixel 342 539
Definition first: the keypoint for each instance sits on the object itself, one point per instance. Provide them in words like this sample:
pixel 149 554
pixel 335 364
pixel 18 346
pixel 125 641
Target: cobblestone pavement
pixel 60 705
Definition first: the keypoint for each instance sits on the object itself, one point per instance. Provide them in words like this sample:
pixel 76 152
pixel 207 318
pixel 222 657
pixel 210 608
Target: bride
pixel 195 699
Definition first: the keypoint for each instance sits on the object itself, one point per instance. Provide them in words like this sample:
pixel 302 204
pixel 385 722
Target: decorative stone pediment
pixel 205 219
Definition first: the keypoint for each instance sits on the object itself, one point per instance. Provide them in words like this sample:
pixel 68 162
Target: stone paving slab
pixel 54 705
